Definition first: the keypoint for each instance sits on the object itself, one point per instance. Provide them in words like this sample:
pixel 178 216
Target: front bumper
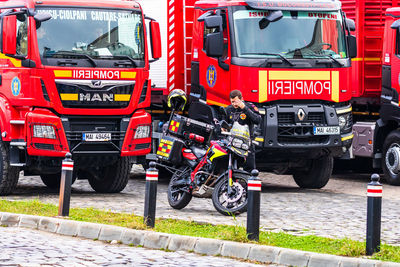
pixel 69 133
pixel 287 126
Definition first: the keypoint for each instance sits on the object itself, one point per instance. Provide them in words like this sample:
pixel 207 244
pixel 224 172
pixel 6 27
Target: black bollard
pixel 150 195
pixel 374 210
pixel 253 206
pixel 65 185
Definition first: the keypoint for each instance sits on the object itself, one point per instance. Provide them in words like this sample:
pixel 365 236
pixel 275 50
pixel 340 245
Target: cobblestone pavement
pixel 338 210
pixel 24 247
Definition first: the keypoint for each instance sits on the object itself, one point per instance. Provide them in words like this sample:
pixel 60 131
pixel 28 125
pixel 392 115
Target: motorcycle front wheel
pixel 178 198
pixel 235 202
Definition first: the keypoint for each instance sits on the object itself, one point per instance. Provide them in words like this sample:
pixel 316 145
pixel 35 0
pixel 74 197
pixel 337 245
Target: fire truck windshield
pixel 91 35
pixel 296 35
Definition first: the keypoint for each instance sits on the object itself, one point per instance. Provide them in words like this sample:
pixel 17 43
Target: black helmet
pixel 177 99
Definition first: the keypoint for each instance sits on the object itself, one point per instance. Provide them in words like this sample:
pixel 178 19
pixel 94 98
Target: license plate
pixel 96 137
pixel 327 130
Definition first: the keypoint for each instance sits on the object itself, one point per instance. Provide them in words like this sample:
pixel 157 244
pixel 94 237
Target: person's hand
pixel 239 103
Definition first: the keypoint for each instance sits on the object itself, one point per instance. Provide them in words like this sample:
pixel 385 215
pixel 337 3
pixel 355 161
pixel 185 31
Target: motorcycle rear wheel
pixel 177 197
pixel 235 203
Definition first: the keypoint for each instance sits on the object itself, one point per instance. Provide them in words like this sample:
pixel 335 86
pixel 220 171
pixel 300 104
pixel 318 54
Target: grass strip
pixel 312 243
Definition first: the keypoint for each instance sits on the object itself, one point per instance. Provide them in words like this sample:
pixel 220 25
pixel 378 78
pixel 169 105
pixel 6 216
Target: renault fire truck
pixel 74 77
pixel 291 59
pixel 376 84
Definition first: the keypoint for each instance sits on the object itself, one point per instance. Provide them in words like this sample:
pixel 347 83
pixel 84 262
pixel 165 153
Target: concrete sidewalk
pixel 213 247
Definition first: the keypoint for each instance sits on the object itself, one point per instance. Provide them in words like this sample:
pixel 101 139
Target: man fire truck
pixel 74 77
pixel 290 58
pixel 376 85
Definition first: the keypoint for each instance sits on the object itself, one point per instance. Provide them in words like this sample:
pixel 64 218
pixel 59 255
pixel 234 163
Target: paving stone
pixel 317 260
pixel 156 240
pixel 293 257
pixel 208 246
pixel 264 254
pixel 184 243
pixel 89 230
pixel 235 249
pixel 68 228
pixel 134 237
pixel 29 221
pixel 9 219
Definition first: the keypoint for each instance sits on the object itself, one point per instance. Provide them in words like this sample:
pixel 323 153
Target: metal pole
pixel 374 211
pixel 65 185
pixel 150 195
pixel 253 206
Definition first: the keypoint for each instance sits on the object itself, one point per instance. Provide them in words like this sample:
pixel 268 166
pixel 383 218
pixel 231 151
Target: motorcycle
pixel 204 167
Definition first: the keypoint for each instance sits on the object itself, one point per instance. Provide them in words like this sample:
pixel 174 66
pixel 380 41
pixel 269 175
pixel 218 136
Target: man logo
pixel 301 114
pixel 96 84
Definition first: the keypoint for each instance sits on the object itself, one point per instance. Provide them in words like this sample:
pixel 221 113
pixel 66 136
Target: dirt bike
pixel 208 169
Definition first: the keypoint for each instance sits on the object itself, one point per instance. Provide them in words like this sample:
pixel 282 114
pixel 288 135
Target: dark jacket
pixel 247 116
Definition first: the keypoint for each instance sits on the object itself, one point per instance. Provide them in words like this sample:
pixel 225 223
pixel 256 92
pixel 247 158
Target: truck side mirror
pixel 352 42
pixel 9 35
pixel 215 44
pixel 156 50
pixel 351 25
pixel 214 41
pixel 213 22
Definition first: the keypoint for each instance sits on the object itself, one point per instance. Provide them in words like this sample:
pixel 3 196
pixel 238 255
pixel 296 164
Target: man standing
pixel 245 114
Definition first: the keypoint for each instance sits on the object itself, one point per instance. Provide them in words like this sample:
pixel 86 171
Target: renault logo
pixel 301 114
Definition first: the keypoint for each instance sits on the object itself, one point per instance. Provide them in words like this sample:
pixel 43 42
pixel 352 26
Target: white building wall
pixel 157 9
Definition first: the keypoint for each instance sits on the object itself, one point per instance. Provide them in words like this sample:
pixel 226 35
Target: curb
pixel 211 247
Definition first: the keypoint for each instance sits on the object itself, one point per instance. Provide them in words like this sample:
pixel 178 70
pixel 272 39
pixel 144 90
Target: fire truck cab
pixel 74 77
pixel 291 59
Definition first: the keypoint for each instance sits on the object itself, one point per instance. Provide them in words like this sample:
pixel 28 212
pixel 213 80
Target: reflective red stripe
pixel 374 190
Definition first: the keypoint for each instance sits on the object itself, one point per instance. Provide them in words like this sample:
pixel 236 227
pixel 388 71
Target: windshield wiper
pixel 279 55
pixel 66 53
pixel 334 59
pixel 131 60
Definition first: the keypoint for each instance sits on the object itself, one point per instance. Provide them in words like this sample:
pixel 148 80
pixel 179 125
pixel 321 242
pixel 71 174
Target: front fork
pixel 230 174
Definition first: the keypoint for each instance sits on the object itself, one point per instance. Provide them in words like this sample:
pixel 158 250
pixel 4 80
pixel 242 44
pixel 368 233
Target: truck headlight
pixel 142 131
pixel 44 131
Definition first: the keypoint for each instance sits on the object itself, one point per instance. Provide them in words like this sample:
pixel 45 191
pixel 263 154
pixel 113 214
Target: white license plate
pixel 326 130
pixel 96 137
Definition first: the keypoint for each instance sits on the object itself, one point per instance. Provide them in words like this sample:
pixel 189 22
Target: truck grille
pixel 312 117
pixel 76 126
pixel 292 131
pixel 90 94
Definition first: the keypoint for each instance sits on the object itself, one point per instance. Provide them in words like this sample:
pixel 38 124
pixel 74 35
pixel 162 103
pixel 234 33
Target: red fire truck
pixel 291 59
pixel 376 84
pixel 74 77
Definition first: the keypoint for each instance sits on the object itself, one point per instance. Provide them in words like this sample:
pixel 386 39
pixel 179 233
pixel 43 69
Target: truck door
pixel 15 77
pixel 214 72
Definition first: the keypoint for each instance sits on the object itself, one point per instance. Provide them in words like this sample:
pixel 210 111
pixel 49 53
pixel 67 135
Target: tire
pixel 237 202
pixel 53 180
pixel 177 198
pixel 317 175
pixel 113 178
pixel 8 175
pixel 391 158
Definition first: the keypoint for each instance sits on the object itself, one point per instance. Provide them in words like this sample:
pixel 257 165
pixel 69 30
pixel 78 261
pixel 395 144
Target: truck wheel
pixel 317 175
pixel 53 180
pixel 113 178
pixel 391 158
pixel 8 175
